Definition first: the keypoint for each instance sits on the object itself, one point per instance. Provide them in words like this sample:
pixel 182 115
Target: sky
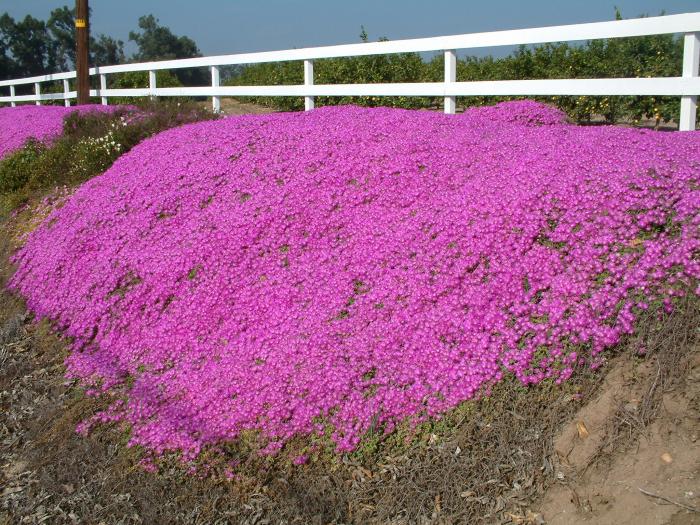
pixel 235 26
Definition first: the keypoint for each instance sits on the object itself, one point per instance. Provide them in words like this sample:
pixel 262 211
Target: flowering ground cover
pixel 21 123
pixel 339 271
pixel 85 144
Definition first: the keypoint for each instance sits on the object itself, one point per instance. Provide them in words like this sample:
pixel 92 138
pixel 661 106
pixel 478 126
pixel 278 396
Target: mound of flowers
pixel 42 123
pixel 346 269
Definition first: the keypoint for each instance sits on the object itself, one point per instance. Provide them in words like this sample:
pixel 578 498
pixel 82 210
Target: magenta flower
pixel 42 123
pixel 357 267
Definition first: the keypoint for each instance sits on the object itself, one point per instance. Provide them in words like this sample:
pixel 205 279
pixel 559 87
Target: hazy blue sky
pixel 231 26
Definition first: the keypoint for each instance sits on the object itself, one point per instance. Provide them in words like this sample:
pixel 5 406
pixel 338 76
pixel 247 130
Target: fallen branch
pixel 687 507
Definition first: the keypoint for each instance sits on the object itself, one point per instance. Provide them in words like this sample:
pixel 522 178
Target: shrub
pixel 139 79
pixel 648 56
pixel 90 143
pixel 16 167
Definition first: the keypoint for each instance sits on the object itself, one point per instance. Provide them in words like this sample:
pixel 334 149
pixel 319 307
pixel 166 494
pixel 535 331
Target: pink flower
pixel 338 271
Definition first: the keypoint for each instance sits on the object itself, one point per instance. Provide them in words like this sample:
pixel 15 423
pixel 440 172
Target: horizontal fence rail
pixel 686 86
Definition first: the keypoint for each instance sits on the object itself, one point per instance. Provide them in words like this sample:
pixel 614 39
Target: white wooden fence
pixel 686 86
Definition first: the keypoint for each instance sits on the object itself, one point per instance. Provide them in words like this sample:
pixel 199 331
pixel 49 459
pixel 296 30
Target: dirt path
pixel 230 106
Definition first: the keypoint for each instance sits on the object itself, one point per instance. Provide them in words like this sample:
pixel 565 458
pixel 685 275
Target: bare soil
pixel 231 106
pixel 631 455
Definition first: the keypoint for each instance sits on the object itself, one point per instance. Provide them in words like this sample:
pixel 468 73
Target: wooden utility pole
pixel 82 38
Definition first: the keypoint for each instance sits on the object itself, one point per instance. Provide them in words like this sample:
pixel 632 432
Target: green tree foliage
pixel 104 50
pixel 649 56
pixel 373 69
pixel 8 66
pixel 61 26
pixel 33 47
pixel 30 46
pixel 139 79
pixel 156 42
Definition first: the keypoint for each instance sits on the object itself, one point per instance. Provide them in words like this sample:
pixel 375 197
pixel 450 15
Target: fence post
pixel 215 82
pixel 103 87
pixel 37 92
pixel 152 83
pixel 308 81
pixel 66 90
pixel 450 76
pixel 691 64
pixel 12 94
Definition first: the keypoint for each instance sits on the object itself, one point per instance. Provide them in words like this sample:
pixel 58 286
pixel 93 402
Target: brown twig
pixel 683 506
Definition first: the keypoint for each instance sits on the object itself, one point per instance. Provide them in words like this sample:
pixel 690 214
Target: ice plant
pixel 43 123
pixel 349 268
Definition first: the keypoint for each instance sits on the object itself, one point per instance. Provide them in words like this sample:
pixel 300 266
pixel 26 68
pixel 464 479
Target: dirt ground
pixel 230 106
pixel 654 479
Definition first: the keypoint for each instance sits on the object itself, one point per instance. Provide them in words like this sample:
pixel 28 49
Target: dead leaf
pixel 12 490
pixel 515 518
pixel 530 518
pixel 582 430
